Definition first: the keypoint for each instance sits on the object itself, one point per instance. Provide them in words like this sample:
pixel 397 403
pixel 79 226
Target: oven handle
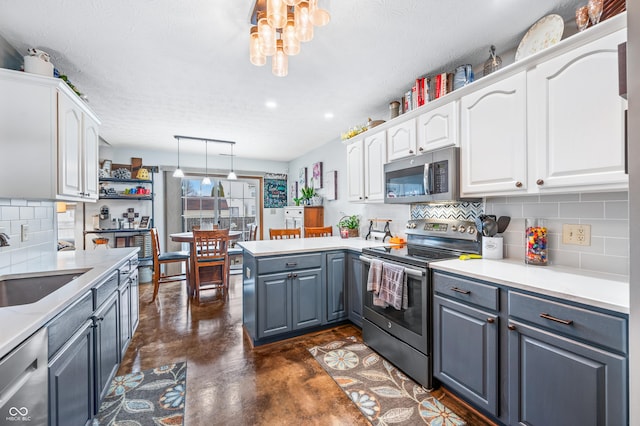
pixel 409 271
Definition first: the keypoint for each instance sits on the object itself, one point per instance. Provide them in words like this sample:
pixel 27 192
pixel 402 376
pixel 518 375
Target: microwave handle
pixel 426 179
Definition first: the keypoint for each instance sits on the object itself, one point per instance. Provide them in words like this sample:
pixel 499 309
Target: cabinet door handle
pixel 291 264
pixel 511 327
pixel 491 320
pixel 518 184
pixel 552 318
pixel 459 290
pixel 410 151
pixel 540 182
pixel 421 149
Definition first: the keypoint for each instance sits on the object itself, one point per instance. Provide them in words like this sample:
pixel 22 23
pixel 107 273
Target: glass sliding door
pixel 233 204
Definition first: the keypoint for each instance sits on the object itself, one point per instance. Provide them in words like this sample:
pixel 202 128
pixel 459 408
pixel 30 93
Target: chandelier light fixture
pixel 206 180
pixel 279 26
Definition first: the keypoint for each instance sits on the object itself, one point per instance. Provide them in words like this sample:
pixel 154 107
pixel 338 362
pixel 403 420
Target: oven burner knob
pixel 471 230
pixel 412 225
pixel 388 324
pixel 461 228
pixel 454 228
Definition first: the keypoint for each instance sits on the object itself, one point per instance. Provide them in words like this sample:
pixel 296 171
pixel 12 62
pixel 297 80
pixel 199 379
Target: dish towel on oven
pixel 375 276
pixel 388 283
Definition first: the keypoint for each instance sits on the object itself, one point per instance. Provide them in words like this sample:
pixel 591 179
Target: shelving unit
pixel 117 192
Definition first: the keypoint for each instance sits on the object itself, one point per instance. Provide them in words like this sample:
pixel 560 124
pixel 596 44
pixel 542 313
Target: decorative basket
pixel 349 233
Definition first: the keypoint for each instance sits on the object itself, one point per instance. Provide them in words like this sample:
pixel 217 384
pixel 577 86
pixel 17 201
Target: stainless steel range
pixel 404 336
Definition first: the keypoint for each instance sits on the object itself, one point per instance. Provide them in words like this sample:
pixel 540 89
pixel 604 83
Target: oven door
pixel 408 325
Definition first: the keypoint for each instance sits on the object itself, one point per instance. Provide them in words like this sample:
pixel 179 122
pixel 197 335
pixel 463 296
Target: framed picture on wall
pixel 302 179
pixel 317 175
pixel 331 185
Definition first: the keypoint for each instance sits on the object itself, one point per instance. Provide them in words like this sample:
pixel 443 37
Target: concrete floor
pixel 231 383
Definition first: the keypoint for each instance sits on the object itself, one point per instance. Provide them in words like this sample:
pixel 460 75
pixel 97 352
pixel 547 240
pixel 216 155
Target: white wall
pixel 633 69
pixel 333 156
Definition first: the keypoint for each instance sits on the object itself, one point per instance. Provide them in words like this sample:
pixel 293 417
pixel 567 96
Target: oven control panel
pixel 458 229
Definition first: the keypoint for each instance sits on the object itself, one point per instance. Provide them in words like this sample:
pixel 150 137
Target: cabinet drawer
pixel 466 290
pixel 289 263
pixel 102 291
pixel 62 327
pixel 595 327
pixel 293 211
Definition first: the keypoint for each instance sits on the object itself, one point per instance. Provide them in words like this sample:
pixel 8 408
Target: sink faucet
pixel 3 239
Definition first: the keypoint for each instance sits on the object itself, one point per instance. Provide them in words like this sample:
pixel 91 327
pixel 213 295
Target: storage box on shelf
pixel 62 130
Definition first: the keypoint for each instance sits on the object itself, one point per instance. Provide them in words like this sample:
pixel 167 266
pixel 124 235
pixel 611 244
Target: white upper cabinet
pixel 50 138
pixel 375 150
pixel 355 171
pixel 576 118
pixel 493 138
pixel 438 128
pixel 365 163
pixel 401 140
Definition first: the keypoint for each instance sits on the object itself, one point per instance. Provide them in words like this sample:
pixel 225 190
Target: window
pixel 232 204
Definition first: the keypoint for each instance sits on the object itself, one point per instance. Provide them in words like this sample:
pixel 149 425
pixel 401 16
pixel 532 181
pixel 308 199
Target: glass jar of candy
pixel 536 242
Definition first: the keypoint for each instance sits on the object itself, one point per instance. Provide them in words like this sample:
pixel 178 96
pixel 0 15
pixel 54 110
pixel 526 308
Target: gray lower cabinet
pixel 107 344
pixel 567 364
pixel 337 301
pixel 355 284
pixel 71 380
pixel 289 301
pixel 466 351
pixel 531 360
pixel 85 343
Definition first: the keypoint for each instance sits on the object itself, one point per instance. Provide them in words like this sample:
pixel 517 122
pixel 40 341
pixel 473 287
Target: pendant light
pixel 256 56
pixel 279 61
pixel 304 27
pixel 178 172
pixel 206 180
pixel 291 44
pixel 276 13
pixel 267 35
pixel 232 174
pixel 319 17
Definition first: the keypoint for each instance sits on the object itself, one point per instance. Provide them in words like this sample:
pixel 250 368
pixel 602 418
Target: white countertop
pixel 299 245
pixel 606 291
pixel 19 322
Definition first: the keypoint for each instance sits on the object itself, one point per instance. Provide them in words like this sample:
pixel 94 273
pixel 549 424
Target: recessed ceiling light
pixel 328 115
pixel 271 104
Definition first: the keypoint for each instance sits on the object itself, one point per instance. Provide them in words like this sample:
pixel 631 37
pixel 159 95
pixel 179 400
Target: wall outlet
pixel 24 229
pixel 576 234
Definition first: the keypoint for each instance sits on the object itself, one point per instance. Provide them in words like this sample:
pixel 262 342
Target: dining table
pixel 187 237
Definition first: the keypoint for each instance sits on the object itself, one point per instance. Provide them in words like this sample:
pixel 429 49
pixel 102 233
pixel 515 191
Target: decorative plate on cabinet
pixel 544 33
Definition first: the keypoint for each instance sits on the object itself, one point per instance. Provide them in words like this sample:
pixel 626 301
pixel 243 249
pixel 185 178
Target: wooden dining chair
pixel 283 234
pixel 253 231
pixel 318 231
pixel 210 261
pixel 166 258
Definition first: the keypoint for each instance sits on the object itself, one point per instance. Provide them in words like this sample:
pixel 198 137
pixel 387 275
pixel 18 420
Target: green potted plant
pixel 297 200
pixel 307 194
pixel 349 226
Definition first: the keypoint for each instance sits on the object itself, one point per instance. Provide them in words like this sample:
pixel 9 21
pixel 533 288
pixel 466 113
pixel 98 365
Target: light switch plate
pixel 577 234
pixel 24 229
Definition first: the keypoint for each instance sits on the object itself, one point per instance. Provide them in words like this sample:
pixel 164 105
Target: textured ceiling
pixel 155 68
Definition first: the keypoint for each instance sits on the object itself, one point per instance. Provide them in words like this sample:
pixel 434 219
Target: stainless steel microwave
pixel 432 176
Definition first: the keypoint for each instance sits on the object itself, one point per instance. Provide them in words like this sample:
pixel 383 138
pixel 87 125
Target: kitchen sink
pixel 25 289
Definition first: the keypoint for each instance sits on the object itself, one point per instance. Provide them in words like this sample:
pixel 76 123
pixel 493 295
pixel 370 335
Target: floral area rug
pixel 150 397
pixel 382 392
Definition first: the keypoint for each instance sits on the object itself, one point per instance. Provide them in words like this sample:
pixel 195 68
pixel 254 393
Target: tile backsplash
pixel 607 213
pixel 40 216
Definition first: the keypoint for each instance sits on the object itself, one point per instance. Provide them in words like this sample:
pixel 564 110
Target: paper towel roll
pixel 377 235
